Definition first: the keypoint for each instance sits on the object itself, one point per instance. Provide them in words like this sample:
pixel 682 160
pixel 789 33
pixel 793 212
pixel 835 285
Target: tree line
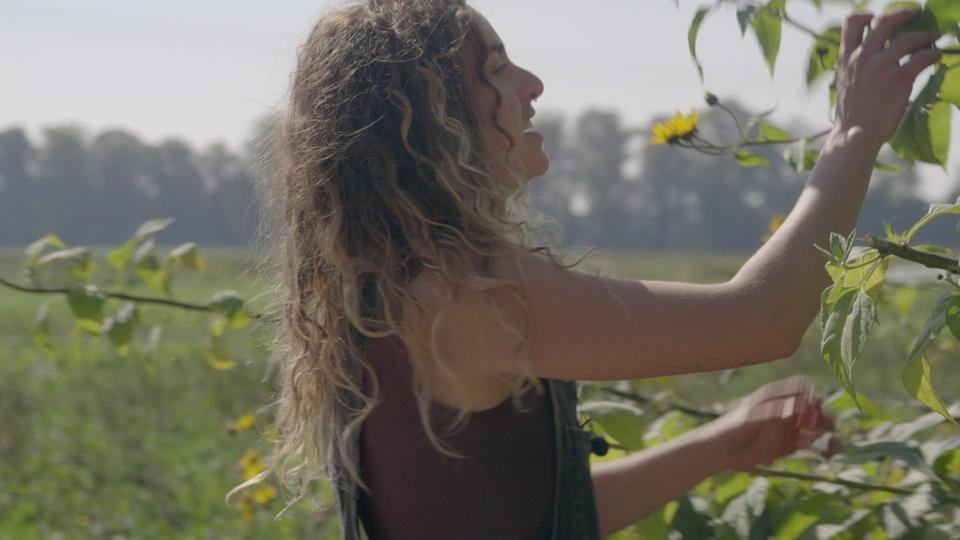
pixel 605 188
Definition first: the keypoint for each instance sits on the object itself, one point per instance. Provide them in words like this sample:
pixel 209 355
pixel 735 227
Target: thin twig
pixel 807 30
pixel 724 108
pixel 123 296
pixel 763 471
pixel 930 260
pixel 639 398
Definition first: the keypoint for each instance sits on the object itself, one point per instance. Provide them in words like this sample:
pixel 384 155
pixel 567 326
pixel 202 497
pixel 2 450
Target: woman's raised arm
pixel 592 328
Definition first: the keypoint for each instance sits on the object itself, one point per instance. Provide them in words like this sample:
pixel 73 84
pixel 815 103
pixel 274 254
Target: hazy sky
pixel 205 71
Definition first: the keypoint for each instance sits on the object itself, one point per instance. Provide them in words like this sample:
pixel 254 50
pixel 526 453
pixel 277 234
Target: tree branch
pixel 645 400
pixel 123 296
pixel 930 260
pixel 763 471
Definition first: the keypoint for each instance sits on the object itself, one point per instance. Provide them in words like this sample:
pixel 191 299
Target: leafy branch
pixel 901 250
pixel 703 414
pixel 118 296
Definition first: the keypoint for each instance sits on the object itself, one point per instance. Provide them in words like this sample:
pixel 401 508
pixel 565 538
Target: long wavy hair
pixel 380 173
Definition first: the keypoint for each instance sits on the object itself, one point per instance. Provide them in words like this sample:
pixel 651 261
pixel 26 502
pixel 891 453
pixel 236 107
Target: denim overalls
pixel 574 507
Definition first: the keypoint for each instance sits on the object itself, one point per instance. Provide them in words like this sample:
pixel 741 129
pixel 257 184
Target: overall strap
pixel 574 508
pixel 345 489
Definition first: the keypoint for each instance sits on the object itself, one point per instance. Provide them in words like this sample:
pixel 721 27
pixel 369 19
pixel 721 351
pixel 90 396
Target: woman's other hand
pixel 772 422
pixel 873 87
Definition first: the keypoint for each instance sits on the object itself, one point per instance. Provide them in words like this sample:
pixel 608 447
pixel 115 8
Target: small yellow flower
pixel 775 222
pixel 246 505
pixel 264 494
pixel 681 126
pixel 252 464
pixel 243 423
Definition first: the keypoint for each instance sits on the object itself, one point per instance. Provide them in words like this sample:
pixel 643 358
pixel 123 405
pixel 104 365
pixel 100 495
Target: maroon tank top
pixel 504 489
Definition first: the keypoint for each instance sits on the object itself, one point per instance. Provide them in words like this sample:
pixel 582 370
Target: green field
pixel 94 444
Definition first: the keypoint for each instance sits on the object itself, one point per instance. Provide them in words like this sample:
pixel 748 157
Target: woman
pixel 429 353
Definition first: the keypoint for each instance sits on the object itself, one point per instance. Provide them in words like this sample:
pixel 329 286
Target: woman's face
pixel 518 89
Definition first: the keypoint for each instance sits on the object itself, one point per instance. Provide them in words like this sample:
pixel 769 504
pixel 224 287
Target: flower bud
pixel 711 99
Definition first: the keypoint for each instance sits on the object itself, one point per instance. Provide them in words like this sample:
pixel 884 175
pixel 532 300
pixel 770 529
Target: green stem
pixel 762 471
pixel 645 400
pixel 122 296
pixel 806 29
pixel 930 260
pixel 743 134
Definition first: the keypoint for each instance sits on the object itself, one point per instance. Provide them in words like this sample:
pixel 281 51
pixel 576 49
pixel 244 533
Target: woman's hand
pixel 873 87
pixel 773 422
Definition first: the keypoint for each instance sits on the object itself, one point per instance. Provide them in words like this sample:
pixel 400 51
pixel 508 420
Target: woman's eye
pixel 502 67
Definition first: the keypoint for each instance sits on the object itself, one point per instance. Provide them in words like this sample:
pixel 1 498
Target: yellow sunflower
pixel 681 126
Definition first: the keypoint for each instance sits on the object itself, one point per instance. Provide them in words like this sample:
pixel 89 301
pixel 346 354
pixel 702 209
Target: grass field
pixel 97 445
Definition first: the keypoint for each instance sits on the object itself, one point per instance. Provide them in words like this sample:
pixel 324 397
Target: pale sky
pixel 205 71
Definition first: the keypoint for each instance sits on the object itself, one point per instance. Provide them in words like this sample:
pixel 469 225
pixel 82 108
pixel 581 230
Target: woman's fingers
pixel 882 27
pixel 853 28
pixel 907 44
pixel 919 62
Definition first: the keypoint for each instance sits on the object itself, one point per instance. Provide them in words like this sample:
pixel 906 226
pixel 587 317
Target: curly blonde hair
pixel 380 173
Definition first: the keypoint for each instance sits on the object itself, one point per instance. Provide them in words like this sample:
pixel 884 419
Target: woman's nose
pixel 533 87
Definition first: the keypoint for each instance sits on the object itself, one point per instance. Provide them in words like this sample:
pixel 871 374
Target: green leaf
pixel 888 231
pixel 670 425
pixel 926 21
pixel 933 325
pixel 230 304
pixel 745 15
pixel 770 132
pixel 935 211
pixel 654 525
pixel 947 464
pixel 118 257
pixel 154 274
pixel 87 306
pixel 189 255
pixel 749 159
pixel 916 380
pixel 924 131
pixel 886 449
pixel 692 38
pixel 838 246
pixel 153 226
pixel 119 327
pixel 733 486
pixel 152 345
pixel 833 319
pixel 77 260
pixel 857 329
pixel 950 89
pixel 622 421
pixel 148 267
pixel 743 511
pixel 886 167
pixel 36 248
pixel 691 524
pixel 840 401
pixel 800 158
pixel 952 316
pixel 855 276
pixel 802 516
pixel 41 332
pixel 217 359
pixel 946 13
pixel 824 54
pixel 767 27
